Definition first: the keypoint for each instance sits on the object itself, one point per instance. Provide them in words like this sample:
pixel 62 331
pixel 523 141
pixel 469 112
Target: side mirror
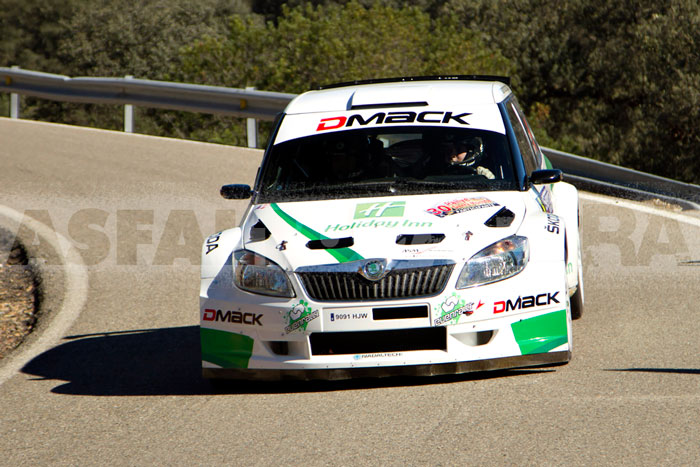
pixel 236 191
pixel 543 177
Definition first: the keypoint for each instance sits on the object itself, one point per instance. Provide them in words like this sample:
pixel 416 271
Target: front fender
pixel 217 249
pixel 567 207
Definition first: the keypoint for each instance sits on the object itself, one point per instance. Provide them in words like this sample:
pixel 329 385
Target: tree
pixel 311 46
pixel 114 38
pixel 32 30
pixel 614 81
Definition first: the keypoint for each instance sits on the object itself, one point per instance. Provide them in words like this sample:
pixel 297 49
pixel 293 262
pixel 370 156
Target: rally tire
pixel 577 298
pixel 576 304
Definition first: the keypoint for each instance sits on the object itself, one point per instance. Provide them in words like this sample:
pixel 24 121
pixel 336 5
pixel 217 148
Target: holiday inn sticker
pixel 379 209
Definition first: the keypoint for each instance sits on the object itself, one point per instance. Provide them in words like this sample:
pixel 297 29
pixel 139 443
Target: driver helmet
pixel 469 151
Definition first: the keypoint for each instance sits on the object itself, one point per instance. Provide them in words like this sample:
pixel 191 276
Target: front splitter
pixel 331 374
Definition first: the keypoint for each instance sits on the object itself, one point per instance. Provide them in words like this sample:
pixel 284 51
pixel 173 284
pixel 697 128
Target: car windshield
pixel 382 162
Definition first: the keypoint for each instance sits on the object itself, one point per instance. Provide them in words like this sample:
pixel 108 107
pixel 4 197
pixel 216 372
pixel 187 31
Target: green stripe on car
pixel 226 349
pixel 342 255
pixel 541 333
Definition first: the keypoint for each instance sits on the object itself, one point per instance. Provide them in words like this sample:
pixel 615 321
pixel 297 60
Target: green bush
pixel 619 80
pixel 311 46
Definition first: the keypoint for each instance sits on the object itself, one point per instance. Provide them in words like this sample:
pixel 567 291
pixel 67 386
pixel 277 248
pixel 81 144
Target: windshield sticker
pixel 299 317
pixel 480 117
pixel 460 205
pixel 376 224
pixel 380 118
pixel 381 209
pixel 453 308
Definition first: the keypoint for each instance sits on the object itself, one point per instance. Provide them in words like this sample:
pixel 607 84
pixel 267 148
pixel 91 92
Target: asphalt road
pixel 112 374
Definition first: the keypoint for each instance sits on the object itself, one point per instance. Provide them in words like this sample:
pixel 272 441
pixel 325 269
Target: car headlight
pixel 496 262
pixel 258 274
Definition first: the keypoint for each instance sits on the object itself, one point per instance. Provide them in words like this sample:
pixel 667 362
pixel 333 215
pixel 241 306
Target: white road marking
pixel 74 297
pixel 641 208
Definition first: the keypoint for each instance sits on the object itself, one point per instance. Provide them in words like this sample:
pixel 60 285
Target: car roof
pixel 403 92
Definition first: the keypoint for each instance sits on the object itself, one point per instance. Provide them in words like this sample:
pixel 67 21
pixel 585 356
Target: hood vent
pixel 419 239
pixel 259 232
pixel 330 243
pixel 503 218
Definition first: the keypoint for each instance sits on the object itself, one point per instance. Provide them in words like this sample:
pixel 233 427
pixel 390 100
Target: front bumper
pixel 510 324
pixel 541 337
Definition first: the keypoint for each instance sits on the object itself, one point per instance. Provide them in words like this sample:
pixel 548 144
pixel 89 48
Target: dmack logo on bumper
pixel 526 302
pixel 232 317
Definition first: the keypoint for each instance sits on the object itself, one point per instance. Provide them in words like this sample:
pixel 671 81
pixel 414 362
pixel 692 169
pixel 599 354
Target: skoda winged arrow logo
pixel 374 269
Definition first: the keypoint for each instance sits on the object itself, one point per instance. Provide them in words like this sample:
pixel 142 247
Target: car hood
pixel 438 226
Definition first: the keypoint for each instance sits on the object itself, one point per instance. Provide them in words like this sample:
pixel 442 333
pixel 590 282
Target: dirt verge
pixel 18 294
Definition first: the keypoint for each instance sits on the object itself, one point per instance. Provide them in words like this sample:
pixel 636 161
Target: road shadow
pixel 135 362
pixel 166 361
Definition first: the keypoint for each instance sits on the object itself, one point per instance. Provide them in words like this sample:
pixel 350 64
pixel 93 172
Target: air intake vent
pixel 503 218
pixel 401 340
pixel 330 243
pixel 419 239
pixel 259 232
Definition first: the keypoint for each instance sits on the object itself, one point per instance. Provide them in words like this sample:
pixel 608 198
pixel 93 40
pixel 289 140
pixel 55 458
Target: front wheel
pixel 577 303
pixel 577 298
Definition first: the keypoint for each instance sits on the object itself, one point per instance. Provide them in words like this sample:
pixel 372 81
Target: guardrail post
pixel 14 100
pixel 128 114
pixel 252 128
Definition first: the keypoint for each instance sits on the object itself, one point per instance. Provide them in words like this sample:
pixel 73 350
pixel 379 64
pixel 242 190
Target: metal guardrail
pixel 245 103
pixel 601 177
pixel 586 173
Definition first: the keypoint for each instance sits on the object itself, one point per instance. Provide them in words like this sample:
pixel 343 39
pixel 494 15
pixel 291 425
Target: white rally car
pixel 405 226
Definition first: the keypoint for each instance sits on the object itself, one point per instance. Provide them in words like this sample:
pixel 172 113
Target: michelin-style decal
pixel 299 317
pixel 457 206
pixel 453 308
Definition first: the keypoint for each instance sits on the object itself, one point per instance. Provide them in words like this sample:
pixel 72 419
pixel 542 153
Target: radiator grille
pixel 397 284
